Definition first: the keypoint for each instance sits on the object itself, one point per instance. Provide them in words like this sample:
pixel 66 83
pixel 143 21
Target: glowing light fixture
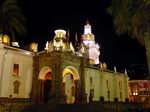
pixel 87 29
pixel 0 38
pixel 60 33
pixel 5 39
pixel 34 47
pixel 15 44
pixel 135 93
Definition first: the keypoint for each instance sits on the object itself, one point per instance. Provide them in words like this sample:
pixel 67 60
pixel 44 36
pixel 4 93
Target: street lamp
pixel 135 96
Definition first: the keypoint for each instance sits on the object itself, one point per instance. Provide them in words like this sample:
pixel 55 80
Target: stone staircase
pixel 91 107
pixel 63 108
pixel 41 108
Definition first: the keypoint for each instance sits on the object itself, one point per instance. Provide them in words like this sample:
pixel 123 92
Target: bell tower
pixel 88 37
pixel 87 28
pixel 89 43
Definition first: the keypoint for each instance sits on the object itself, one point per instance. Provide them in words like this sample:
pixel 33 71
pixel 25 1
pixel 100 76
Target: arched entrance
pixel 70 80
pixel 45 84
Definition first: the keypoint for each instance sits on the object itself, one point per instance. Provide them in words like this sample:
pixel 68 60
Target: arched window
pixel 16 87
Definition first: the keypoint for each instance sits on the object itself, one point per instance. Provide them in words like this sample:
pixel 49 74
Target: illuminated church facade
pixel 60 73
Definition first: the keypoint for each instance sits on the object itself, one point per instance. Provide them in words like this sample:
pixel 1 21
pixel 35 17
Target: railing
pixel 14 100
pixel 17 104
pixel 122 106
pixel 13 104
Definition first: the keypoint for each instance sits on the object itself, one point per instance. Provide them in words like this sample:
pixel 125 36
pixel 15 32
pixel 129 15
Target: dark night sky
pixel 43 17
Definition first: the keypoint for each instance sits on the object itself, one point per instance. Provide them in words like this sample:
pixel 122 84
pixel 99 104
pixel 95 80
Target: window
pixel 16 69
pixel 108 89
pixel 107 84
pixel 16 87
pixel 91 82
pixel 120 86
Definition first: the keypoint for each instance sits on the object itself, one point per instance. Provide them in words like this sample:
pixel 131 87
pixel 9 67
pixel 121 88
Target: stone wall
pixel 14 104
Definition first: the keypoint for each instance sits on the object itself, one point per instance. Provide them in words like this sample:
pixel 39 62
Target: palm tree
pixel 133 17
pixel 12 22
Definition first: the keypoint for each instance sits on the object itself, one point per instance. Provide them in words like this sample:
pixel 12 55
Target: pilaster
pixel 82 95
pixel 101 83
pixel 1 68
pixel 35 82
pixel 7 67
pixel 115 90
pixel 126 86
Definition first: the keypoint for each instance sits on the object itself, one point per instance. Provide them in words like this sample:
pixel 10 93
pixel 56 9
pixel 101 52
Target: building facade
pixel 61 73
pixel 15 72
pixel 139 90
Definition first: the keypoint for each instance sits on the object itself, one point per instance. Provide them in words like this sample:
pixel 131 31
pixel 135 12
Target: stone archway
pixel 45 84
pixel 70 80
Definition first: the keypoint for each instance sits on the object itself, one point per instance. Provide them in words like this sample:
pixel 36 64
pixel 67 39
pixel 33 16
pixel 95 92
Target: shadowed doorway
pixel 45 85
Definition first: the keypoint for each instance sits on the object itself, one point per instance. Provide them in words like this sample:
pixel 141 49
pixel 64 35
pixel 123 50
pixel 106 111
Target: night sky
pixel 43 17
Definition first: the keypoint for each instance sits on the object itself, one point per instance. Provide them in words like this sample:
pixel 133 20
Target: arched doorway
pixel 70 80
pixel 45 85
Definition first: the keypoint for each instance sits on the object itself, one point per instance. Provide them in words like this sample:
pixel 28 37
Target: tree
pixel 12 22
pixel 133 17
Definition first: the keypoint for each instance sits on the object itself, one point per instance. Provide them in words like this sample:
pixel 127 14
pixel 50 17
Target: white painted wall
pixel 1 65
pixel 7 59
pixel 100 86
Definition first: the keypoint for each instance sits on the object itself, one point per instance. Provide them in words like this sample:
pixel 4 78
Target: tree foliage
pixel 131 16
pixel 12 22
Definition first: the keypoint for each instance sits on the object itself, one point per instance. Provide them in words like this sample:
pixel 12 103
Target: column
pixel 126 87
pixel 82 94
pixel 41 89
pixel 76 91
pixel 101 86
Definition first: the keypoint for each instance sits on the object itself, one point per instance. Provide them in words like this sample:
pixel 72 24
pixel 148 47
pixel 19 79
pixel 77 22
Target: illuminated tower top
pixel 87 28
pixel 88 38
pixel 59 42
pixel 89 42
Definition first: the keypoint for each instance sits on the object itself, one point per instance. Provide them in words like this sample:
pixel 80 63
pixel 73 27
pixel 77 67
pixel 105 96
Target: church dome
pixel 60 34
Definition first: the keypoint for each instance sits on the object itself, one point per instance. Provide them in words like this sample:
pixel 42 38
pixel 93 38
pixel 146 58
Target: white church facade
pixel 60 73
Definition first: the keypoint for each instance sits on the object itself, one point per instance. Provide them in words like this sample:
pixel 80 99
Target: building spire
pixel 68 40
pixel 87 21
pixel 68 37
pixel 76 41
pixel 87 28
